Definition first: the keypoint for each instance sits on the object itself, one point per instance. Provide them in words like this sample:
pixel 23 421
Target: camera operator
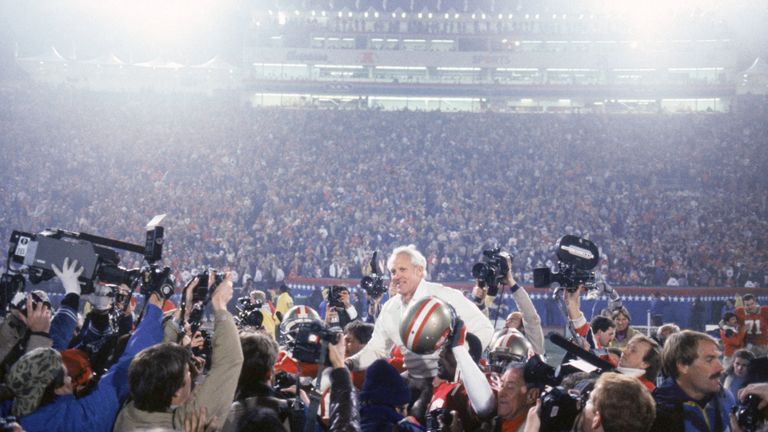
pixel 30 326
pixel 43 391
pixel 599 334
pixel 692 398
pixel 336 309
pixel 531 321
pixel 254 387
pixel 25 330
pixel 268 322
pixel 618 403
pixel 103 326
pixel 758 389
pixel 160 381
pixel 408 266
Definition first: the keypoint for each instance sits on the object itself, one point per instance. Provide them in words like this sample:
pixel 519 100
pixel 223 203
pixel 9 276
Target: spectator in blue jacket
pixel 43 392
pixel 692 398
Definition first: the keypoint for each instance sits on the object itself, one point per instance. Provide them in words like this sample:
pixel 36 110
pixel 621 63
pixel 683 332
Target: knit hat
pixel 78 366
pixel 384 385
pixel 29 377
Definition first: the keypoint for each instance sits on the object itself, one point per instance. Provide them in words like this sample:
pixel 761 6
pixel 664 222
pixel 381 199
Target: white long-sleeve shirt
pixel 386 331
pixel 531 320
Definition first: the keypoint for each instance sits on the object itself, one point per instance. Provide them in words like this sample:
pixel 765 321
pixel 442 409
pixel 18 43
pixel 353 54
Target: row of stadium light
pixel 429 15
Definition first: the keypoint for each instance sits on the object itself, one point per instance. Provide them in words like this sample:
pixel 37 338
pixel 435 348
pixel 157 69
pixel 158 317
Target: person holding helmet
pixel 407 267
pixel 461 391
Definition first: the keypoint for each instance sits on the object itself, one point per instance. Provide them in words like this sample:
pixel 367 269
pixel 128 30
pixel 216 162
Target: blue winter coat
pixel 676 411
pixel 97 411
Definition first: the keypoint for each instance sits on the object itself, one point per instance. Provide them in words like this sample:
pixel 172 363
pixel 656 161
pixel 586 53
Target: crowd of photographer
pixel 430 360
pixel 309 192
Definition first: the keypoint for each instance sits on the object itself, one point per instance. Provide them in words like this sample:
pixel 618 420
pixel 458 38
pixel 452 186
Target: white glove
pixel 68 276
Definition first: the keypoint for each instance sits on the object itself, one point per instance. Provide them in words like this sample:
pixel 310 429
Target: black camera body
pixel 491 270
pixel 21 306
pixel 201 295
pixel 748 415
pixel 153 279
pixel 282 380
pixel 206 350
pixel 334 295
pixel 576 258
pixel 308 346
pixel 373 284
pixel 96 255
pixel 248 314
pixel 560 407
pixel 438 419
pixel 202 284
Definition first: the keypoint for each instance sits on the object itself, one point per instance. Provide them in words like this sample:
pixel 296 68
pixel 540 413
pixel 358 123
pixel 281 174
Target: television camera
pixel 373 284
pixel 576 259
pixel 492 269
pixel 36 254
pixel 248 314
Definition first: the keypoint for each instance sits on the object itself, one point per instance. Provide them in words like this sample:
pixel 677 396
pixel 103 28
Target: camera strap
pixel 314 395
pixel 560 300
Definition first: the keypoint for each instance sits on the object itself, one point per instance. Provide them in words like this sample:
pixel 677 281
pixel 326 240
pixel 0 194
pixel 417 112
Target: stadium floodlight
pixel 160 22
pixel 651 18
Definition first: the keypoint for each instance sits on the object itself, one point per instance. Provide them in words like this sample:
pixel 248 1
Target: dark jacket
pixel 259 397
pixel 343 411
pixel 676 411
pixel 344 414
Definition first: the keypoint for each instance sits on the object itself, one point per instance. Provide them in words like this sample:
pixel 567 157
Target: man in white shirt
pixel 407 267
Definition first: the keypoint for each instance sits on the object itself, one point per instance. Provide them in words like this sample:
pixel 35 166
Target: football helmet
pixel 427 324
pixel 508 347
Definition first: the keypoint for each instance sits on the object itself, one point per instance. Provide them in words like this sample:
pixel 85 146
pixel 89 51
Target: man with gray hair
pixel 407 267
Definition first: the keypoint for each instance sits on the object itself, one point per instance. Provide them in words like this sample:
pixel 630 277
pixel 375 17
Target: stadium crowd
pixel 272 193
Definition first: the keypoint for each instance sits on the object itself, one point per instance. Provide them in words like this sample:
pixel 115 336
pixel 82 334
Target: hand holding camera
pixel 222 293
pixel 508 280
pixel 495 268
pixel 38 317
